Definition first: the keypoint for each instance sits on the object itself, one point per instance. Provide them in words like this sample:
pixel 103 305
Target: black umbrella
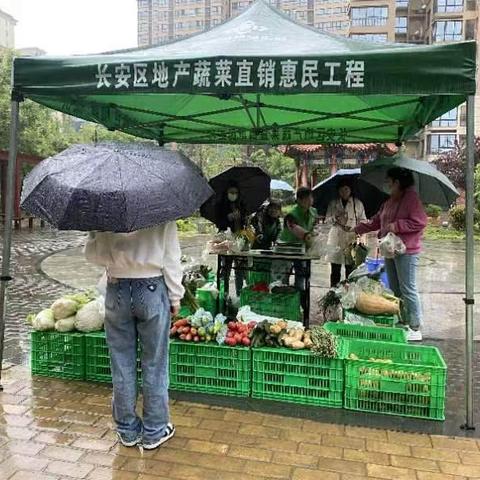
pixel 114 187
pixel 326 191
pixel 252 182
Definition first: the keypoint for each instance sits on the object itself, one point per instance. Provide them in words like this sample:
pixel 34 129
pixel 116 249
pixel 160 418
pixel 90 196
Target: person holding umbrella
pixel 133 236
pixel 231 215
pixel 345 212
pixel 403 215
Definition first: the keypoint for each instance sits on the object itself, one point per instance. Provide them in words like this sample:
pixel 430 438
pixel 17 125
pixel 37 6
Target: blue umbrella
pixel 281 185
pixel 326 191
pixel 114 187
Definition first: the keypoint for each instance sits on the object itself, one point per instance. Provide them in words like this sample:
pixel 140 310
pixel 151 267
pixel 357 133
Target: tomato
pixel 230 334
pixel 232 326
pixel 193 331
pixel 246 341
pixel 230 342
pixel 196 338
pixel 188 337
pixel 238 337
pixel 173 331
pixel 252 324
pixel 182 336
pixel 181 323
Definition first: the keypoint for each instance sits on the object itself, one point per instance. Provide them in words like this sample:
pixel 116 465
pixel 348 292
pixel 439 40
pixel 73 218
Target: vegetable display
pixel 81 311
pixel 324 343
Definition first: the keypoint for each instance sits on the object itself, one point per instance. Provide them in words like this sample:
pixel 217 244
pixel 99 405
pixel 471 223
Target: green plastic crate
pixel 412 386
pixel 55 354
pixel 97 359
pixel 210 368
pixel 206 300
pixel 261 272
pixel 279 305
pixel 297 376
pixel 365 332
pixel 381 320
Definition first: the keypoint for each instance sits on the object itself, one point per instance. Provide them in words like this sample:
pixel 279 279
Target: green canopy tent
pixel 259 78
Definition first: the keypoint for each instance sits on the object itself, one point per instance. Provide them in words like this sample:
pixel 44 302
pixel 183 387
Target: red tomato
pixel 238 337
pixel 230 342
pixel 246 341
pixel 232 325
pixel 230 334
pixel 188 337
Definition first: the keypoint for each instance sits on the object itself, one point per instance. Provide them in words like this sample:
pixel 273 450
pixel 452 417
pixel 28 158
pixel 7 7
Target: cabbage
pixel 65 325
pixel 64 308
pixel 91 317
pixel 82 299
pixel 44 321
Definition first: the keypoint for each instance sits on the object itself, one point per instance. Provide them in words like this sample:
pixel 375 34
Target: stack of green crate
pixel 279 305
pixel 367 332
pixel 297 376
pixel 210 368
pixel 55 354
pixel 395 379
pixel 97 359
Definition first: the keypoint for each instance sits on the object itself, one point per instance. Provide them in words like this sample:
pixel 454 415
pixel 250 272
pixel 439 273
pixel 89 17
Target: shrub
pixel 433 211
pixel 457 217
pixel 185 225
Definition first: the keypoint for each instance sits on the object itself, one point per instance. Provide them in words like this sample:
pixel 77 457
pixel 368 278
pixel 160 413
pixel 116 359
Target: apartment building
pixel 7 30
pixel 411 21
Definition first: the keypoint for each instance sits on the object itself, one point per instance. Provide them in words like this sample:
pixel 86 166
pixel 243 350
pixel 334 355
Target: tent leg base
pixel 467 428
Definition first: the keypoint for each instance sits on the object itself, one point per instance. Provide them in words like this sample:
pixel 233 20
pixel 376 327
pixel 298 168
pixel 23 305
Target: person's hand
pixel 308 239
pixel 174 310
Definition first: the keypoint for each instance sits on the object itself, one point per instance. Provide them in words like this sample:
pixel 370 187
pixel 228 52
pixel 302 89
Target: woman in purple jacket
pixel 402 214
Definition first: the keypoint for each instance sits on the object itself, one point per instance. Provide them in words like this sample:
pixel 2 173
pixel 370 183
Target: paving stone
pixel 388 448
pixel 370 433
pixel 76 470
pixel 27 448
pixel 459 444
pixel 259 431
pixel 62 453
pixel 24 475
pixel 93 444
pixel 250 453
pixel 320 450
pixel 415 463
pixel 343 442
pixel 306 474
pixel 443 454
pixel 102 473
pixel 295 459
pixel 366 457
pixel 207 447
pixel 469 458
pixel 470 471
pixel 268 470
pixel 390 473
pixel 342 466
pixel 412 439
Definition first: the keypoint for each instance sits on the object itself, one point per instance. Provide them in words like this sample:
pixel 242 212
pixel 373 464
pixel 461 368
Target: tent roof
pixel 258 78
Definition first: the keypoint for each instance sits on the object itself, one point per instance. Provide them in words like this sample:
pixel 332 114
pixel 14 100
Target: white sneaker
pixel 169 433
pixel 414 335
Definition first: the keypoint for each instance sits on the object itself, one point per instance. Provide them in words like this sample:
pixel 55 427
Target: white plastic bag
pixel 391 245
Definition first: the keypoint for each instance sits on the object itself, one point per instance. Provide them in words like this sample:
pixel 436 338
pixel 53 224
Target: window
pixel 401 25
pixel 401 3
pixel 448 31
pixel 369 16
pixel 371 37
pixel 448 119
pixel 441 142
pixel 444 6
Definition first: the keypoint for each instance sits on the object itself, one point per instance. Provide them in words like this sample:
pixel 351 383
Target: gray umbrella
pixel 114 187
pixel 432 185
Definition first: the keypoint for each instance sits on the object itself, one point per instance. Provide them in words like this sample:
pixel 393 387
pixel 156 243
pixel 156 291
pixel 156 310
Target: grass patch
pixel 433 232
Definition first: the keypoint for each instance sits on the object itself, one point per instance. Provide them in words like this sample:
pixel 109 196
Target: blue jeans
pixel 139 307
pixel 402 277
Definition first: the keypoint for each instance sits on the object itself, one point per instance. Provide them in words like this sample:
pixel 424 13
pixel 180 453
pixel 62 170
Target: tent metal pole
pixel 7 235
pixel 469 264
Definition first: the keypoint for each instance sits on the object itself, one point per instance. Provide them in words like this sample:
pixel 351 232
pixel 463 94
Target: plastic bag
pixel 391 245
pixel 355 319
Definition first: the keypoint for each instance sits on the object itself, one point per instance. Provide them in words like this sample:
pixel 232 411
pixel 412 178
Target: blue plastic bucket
pixel 373 264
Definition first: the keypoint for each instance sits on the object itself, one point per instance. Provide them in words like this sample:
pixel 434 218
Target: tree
pixel 452 163
pixel 276 164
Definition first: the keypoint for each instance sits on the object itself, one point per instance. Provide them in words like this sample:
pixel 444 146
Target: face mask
pixel 232 197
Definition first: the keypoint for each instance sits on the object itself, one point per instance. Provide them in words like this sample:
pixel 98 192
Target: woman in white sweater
pixel 144 286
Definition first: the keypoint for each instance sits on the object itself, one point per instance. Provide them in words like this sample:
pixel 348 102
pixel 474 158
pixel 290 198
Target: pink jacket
pixel 408 216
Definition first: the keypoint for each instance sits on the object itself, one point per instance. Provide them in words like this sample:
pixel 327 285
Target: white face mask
pixel 232 197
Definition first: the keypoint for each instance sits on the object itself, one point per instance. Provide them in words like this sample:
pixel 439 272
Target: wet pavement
pixel 57 430
pixel 47 264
